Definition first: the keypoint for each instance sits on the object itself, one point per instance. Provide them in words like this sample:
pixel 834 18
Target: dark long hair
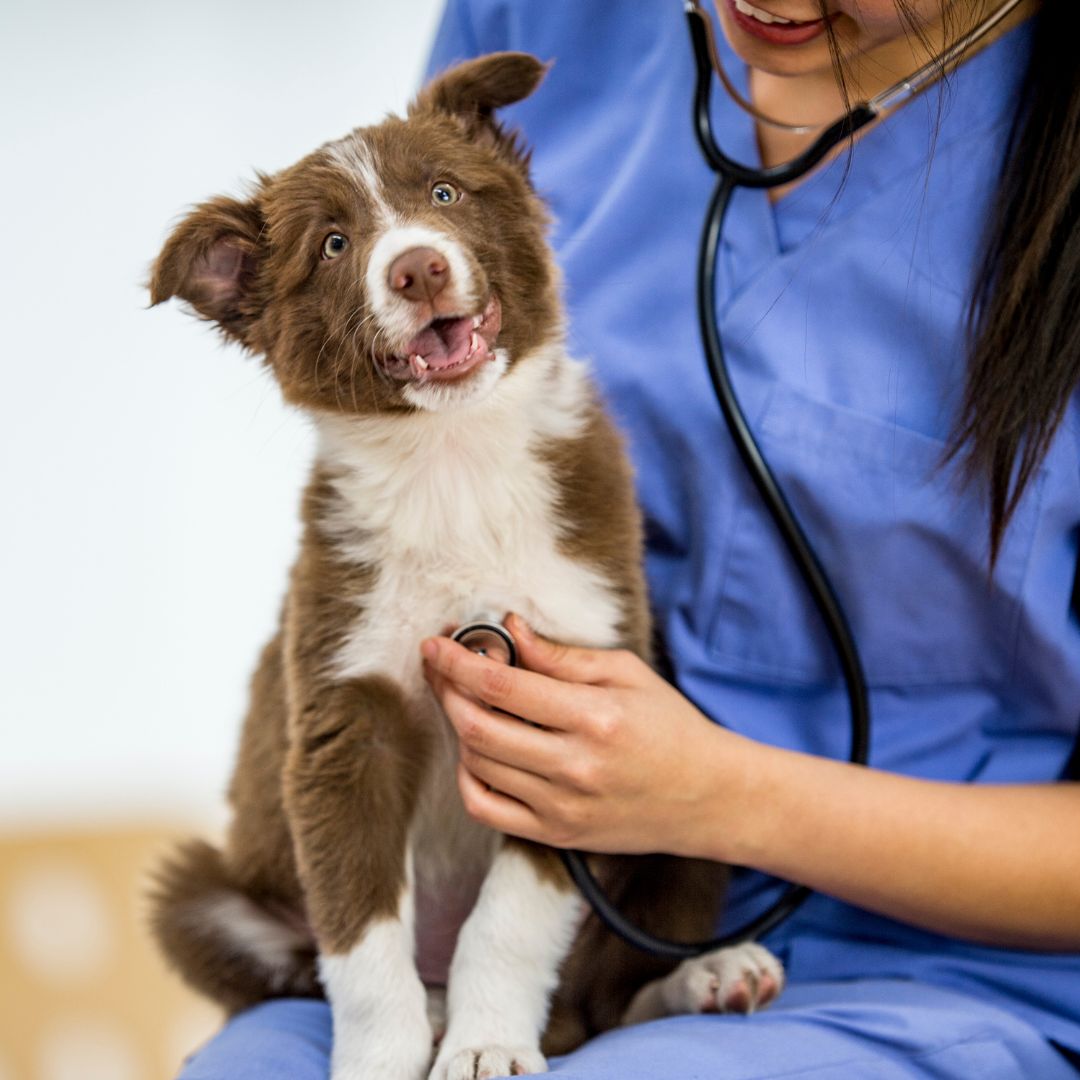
pixel 1024 317
pixel 1024 312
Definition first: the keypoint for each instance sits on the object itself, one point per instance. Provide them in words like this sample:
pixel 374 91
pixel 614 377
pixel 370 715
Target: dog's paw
pixel 482 1063
pixel 740 979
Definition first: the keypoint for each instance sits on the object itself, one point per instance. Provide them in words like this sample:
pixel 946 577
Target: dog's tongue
pixel 444 343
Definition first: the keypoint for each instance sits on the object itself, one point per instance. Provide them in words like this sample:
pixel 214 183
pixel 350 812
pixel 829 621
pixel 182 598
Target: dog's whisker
pixel 318 358
pixel 375 372
pixel 349 336
pixel 360 355
pixel 348 340
pixel 355 356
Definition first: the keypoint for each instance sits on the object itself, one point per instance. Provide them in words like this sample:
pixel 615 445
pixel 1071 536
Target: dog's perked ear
pixel 474 90
pixel 211 261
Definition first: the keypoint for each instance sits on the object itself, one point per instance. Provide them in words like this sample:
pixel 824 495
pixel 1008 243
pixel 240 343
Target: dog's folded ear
pixel 471 92
pixel 478 87
pixel 211 261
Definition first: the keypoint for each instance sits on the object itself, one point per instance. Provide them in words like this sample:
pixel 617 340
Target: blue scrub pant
pixel 865 1030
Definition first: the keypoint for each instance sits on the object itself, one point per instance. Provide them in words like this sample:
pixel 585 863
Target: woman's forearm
pixel 990 863
pixel 594 770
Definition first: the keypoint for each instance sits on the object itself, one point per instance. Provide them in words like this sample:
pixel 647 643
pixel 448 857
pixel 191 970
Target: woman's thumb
pixel 569 663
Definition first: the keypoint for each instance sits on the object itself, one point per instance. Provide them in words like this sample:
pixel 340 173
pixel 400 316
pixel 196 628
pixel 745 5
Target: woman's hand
pixel 621 762
pixel 618 760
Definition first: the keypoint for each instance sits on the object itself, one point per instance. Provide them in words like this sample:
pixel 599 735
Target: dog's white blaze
pixel 379 1005
pixel 506 966
pixel 358 160
pixel 395 315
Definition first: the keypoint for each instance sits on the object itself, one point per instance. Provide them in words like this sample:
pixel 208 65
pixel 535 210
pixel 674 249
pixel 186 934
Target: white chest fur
pixel 456 513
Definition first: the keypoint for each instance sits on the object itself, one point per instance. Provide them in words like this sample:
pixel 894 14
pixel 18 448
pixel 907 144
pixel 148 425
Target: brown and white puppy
pixel 398 285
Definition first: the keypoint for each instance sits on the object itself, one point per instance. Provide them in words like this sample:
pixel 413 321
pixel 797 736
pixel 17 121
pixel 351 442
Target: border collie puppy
pixel 398 285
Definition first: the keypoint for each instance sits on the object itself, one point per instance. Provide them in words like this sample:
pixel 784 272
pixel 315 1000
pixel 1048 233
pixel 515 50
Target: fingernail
pixel 524 629
pixel 429 649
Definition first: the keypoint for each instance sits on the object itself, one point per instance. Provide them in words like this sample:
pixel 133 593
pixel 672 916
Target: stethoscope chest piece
pixel 489 639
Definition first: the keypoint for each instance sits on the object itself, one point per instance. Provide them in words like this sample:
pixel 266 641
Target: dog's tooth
pixel 474 342
pixel 477 320
pixel 418 364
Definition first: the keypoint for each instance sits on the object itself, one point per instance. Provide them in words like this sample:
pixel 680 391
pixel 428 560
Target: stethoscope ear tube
pixel 740 175
pixel 730 175
pixel 816 580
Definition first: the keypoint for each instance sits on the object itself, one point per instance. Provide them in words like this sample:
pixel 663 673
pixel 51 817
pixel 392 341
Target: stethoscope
pixel 493 639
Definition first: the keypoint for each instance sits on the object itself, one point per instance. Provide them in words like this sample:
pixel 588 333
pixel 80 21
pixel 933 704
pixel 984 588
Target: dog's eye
pixel 444 194
pixel 334 245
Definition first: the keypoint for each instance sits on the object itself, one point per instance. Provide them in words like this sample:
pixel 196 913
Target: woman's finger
pixel 532 790
pixel 502 738
pixel 537 698
pixel 570 663
pixel 496 810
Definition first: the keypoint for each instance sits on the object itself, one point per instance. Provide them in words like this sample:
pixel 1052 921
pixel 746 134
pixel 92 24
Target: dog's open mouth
pixel 448 348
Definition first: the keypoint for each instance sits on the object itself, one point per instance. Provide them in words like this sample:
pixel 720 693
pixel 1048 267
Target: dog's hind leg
pixel 739 979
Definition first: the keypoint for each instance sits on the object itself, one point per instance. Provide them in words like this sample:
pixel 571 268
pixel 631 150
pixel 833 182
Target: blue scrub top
pixel 842 311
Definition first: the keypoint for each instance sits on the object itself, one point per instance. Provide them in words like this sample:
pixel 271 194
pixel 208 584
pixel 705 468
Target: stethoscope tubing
pixel 732 174
pixel 817 582
pixel 748 176
pixel 931 71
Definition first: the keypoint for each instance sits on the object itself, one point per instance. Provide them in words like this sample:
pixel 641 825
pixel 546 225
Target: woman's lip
pixel 778 33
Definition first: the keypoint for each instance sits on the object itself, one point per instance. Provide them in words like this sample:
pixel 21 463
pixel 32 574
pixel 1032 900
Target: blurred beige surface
pixel 84 994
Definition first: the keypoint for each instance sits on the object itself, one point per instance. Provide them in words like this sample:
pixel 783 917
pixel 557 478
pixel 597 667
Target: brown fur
pixel 288 306
pixel 329 771
pixel 603 525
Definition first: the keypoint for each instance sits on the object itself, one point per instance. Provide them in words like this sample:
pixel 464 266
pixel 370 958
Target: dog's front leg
pixel 506 966
pixel 352 773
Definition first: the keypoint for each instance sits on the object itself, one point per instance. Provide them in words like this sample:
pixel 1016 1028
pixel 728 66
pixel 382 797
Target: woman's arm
pixel 998 864
pixel 622 762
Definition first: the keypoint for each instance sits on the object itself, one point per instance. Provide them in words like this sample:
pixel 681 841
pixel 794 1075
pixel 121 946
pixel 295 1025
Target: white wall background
pixel 148 474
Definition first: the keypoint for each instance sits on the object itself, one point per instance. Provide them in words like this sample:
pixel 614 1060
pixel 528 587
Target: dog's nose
pixel 419 274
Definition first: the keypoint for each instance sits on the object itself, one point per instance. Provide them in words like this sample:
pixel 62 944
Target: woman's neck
pixel 816 98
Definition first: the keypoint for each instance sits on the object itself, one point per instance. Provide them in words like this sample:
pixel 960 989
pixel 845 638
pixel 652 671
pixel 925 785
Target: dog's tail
pixel 226 942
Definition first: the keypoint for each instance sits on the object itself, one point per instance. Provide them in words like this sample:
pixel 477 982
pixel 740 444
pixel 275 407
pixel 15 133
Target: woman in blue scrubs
pixel 944 939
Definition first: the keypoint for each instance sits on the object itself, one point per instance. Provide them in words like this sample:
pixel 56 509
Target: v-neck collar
pixel 978 95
